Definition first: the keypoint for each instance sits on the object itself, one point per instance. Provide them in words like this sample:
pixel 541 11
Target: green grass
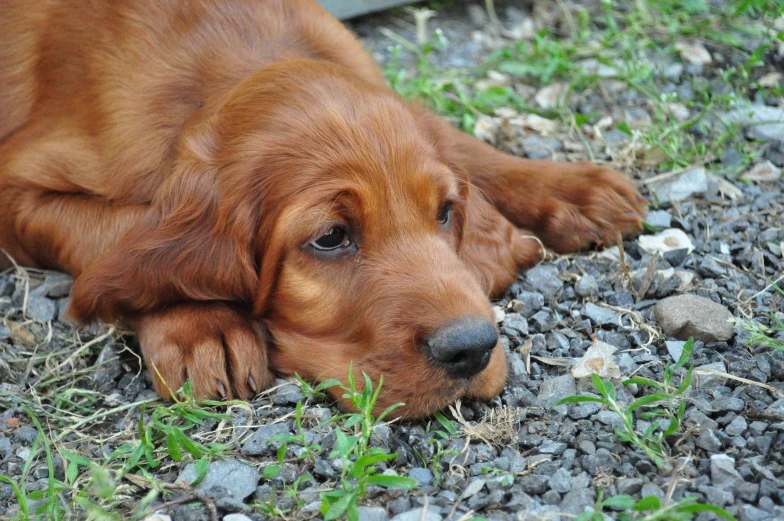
pixel 665 419
pixel 359 459
pixel 120 484
pixel 664 410
pixel 93 486
pixel 649 508
pixel 764 335
pixel 619 35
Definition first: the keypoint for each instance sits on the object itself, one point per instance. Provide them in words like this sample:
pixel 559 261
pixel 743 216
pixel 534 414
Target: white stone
pixel 763 172
pixel 694 53
pixel 667 240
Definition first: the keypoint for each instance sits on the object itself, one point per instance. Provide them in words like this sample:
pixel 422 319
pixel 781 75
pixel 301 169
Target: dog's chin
pixel 490 382
pixel 426 390
pixel 434 398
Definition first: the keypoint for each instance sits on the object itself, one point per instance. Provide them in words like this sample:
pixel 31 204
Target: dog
pixel 235 181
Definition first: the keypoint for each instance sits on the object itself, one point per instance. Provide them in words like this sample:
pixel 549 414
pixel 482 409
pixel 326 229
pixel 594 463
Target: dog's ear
pixel 192 245
pixel 492 248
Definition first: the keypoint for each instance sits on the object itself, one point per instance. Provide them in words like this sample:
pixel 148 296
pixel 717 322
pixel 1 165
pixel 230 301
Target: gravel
pixel 225 479
pixel 553 458
pixel 695 182
pixel 260 443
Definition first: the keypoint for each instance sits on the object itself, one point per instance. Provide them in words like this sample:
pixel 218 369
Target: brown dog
pixel 234 179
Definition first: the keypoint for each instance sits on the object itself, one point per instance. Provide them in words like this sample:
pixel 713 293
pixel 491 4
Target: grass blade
pixel 647 400
pixel 688 347
pixel 400 482
pixel 581 399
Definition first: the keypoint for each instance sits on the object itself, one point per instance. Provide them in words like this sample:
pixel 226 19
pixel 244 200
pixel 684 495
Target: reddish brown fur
pixel 176 156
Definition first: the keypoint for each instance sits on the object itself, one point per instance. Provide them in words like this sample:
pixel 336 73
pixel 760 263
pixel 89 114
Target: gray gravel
pixel 557 456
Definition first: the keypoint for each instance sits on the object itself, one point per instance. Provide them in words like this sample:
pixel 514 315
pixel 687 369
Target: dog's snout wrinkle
pixel 462 347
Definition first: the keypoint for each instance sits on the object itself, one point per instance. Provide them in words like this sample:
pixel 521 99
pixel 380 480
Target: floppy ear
pixel 192 245
pixel 492 248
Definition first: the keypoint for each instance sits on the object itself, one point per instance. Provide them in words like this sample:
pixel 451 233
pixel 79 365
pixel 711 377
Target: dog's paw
pixel 587 205
pixel 214 345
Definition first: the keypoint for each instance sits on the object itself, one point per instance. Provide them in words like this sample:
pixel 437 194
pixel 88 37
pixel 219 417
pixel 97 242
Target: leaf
pixel 140 426
pixel 445 423
pixel 688 347
pixel 187 389
pixel 37 495
pixel 514 68
pixel 623 502
pixel 201 467
pixel 642 381
pixel 400 482
pixel 298 415
pixel 699 507
pixel 648 503
pixel 326 384
pixel 353 420
pixel 186 443
pixel 76 458
pixel 685 382
pixel 581 399
pixel 389 410
pixel 624 127
pixel 103 482
pixel 173 447
pixel 654 413
pixel 374 398
pixel 492 97
pixel 337 508
pixel 674 426
pixel 352 512
pixel 365 461
pixel 599 384
pixel 21 499
pixel 647 400
pixel 137 454
pixel 341 444
pixel 681 410
pixel 285 438
pixel 468 122
pixel 270 471
pixel 610 392
pixel 351 383
pixel 367 390
pixel 72 472
pixel 651 428
pixel 581 119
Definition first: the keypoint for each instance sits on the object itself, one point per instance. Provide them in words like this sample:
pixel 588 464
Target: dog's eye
pixel 335 238
pixel 445 214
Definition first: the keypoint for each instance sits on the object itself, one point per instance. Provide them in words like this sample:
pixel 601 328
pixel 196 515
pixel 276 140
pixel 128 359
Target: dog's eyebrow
pixel 448 187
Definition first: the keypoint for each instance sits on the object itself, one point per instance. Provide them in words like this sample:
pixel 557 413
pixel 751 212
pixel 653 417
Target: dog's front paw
pixel 214 345
pixel 587 204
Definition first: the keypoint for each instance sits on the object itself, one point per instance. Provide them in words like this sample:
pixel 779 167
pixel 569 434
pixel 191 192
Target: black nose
pixel 462 347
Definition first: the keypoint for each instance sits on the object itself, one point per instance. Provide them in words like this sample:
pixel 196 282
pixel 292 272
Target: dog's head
pixel 326 205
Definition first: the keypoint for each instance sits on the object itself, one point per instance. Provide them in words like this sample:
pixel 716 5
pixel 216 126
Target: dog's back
pixel 21 25
pixel 114 84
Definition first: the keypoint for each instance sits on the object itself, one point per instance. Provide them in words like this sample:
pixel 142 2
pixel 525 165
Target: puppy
pixel 234 180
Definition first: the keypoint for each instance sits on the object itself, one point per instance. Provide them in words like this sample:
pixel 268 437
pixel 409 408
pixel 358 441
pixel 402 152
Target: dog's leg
pixel 60 231
pixel 568 205
pixel 216 344
pixel 219 346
